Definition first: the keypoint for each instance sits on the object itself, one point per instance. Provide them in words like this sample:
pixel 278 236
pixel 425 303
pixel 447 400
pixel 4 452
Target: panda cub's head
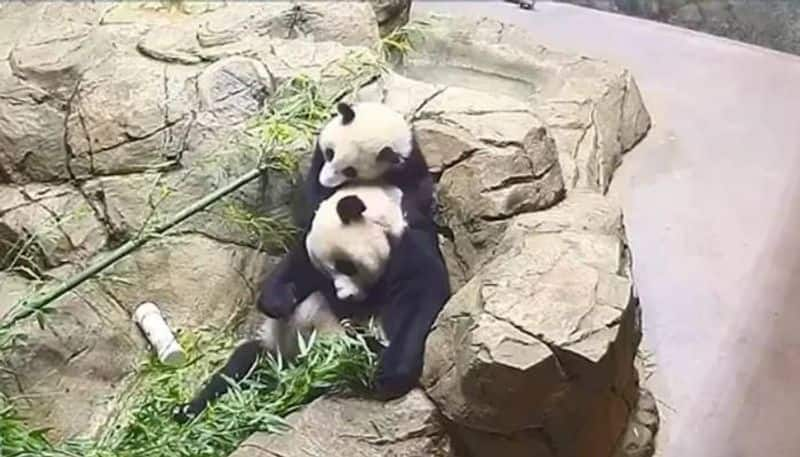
pixel 351 236
pixel 362 142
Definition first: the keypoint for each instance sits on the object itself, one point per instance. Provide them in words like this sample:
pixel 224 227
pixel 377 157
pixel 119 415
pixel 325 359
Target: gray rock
pixel 639 437
pixel 42 227
pixel 406 96
pixel 248 27
pixel 111 132
pixel 68 371
pixel 492 184
pixel 391 14
pixel 168 272
pixel 234 89
pixel 592 109
pixel 551 314
pixel 286 59
pixel 31 132
pixel 444 145
pixel 407 427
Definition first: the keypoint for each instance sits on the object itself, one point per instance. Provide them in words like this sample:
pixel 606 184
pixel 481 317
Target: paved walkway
pixel 712 205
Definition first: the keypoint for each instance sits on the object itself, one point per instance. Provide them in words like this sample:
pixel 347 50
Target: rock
pixel 391 14
pixel 88 73
pixel 42 227
pixel 551 314
pixel 444 145
pixel 592 109
pixel 249 27
pixel 110 132
pixel 31 132
pixel 407 427
pixel 479 193
pixel 168 272
pixel 320 61
pixel 70 369
pixel 639 437
pixel 234 89
pixel 406 96
pixel 456 267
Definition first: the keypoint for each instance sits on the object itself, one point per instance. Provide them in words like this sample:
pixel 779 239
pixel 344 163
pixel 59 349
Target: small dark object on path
pixel 524 4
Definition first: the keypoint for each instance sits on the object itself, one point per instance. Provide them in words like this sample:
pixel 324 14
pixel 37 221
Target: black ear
pixel 388 155
pixel 350 208
pixel 347 113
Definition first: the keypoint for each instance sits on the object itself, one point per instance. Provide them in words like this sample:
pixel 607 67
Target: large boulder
pixel 408 427
pixel 552 314
pixel 592 109
pixel 481 192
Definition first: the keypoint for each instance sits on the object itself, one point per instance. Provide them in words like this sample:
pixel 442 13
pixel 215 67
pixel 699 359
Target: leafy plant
pixel 146 429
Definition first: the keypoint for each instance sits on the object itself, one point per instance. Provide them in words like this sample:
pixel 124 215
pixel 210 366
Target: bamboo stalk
pixel 27 308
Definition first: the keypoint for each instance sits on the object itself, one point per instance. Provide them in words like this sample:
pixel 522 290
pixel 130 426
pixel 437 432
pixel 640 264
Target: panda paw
pixel 185 413
pixel 279 302
pixel 391 383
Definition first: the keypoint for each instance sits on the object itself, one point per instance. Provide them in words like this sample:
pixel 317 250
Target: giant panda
pixel 375 264
pixel 364 142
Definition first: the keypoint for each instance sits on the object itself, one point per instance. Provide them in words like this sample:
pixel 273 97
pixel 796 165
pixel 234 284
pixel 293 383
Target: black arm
pixel 418 290
pixel 289 283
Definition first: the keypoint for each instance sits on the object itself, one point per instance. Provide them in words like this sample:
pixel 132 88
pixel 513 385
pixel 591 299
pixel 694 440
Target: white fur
pixel 313 313
pixel 357 144
pixel 363 241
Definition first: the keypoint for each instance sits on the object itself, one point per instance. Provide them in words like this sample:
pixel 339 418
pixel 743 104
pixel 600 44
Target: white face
pixel 352 152
pixel 354 255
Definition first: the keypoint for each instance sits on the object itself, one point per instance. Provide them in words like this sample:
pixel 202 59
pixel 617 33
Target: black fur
pixel 409 297
pixel 350 209
pixel 236 368
pixel 347 113
pixel 388 155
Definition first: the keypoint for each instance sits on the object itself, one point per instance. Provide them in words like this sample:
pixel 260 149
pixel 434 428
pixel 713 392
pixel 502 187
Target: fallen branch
pixel 28 307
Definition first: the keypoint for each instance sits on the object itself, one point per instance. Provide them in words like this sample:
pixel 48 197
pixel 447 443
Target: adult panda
pixel 364 143
pixel 376 262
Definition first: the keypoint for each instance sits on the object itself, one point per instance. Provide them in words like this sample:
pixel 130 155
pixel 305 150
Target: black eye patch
pixel 327 154
pixel 345 267
pixel 350 172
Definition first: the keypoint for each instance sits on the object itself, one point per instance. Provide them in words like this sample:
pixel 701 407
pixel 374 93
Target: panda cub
pixel 376 264
pixel 364 142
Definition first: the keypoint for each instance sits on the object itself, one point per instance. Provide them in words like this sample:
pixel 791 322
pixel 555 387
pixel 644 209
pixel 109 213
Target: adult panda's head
pixel 362 142
pixel 351 237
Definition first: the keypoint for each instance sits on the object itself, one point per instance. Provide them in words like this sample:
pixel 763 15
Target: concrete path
pixel 712 206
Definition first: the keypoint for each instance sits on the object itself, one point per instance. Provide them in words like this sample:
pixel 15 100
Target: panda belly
pixel 313 313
